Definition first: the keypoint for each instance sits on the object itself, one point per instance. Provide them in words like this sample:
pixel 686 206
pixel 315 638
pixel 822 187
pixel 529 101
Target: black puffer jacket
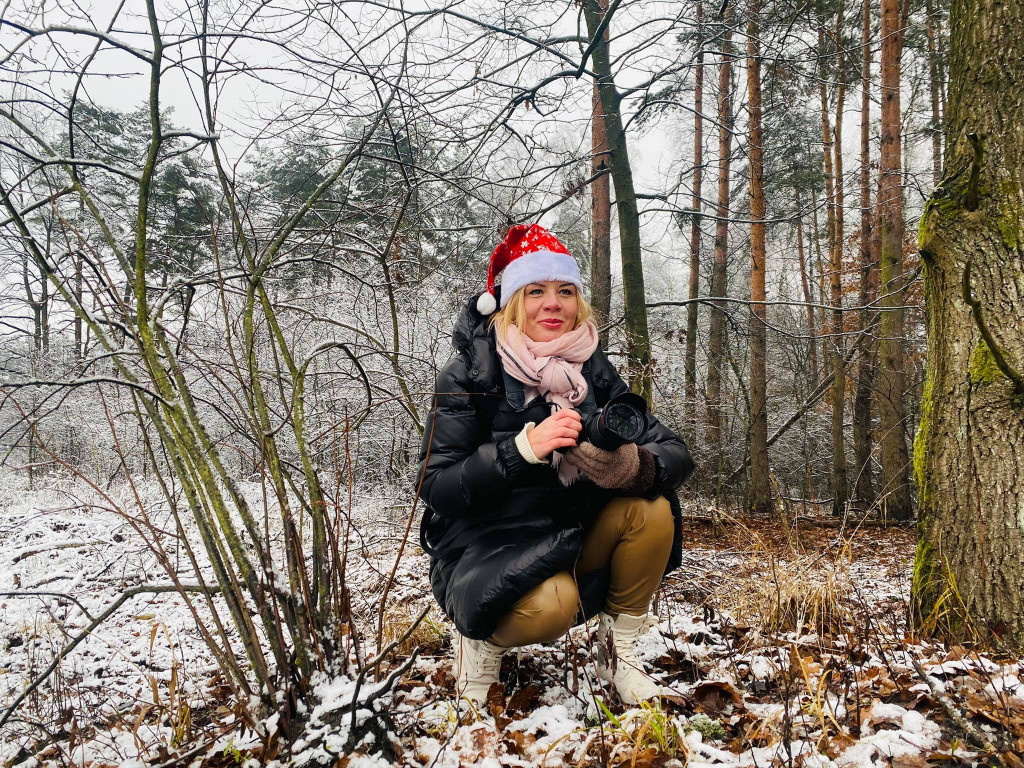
pixel 496 525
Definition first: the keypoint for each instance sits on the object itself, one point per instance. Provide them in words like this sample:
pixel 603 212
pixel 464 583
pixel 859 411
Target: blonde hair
pixel 514 312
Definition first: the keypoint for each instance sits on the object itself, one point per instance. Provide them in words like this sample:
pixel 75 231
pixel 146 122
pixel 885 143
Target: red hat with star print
pixel 528 254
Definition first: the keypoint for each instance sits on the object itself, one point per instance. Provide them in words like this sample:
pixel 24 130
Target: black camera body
pixel 622 420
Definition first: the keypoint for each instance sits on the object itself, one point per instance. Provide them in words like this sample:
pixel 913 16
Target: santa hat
pixel 528 254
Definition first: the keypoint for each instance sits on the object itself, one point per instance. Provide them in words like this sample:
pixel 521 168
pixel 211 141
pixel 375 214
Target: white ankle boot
pixel 477 665
pixel 617 662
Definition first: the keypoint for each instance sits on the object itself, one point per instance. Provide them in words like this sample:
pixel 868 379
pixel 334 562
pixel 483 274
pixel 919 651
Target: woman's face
pixel 550 309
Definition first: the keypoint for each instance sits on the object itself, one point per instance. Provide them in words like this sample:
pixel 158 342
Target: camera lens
pixel 624 420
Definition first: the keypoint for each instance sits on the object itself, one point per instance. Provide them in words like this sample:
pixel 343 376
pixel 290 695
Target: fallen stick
pixel 975 736
pixel 27 553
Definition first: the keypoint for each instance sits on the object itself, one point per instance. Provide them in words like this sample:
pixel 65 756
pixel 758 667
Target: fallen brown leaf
pixel 524 700
pixel 496 706
pixel 717 698
pixel 911 760
pixel 839 742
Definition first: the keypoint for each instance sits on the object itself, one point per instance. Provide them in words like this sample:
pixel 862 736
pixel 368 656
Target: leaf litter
pixel 777 648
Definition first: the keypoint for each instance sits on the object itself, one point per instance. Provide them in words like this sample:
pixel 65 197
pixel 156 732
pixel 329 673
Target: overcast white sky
pixel 251 101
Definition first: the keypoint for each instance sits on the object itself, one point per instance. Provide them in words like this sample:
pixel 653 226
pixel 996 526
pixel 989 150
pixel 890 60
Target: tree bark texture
pixel 638 343
pixel 833 167
pixel 819 264
pixel 864 488
pixel 698 180
pixel 934 87
pixel 718 329
pixel 77 288
pixel 840 493
pixel 812 331
pixel 600 215
pixel 969 447
pixel 892 353
pixel 760 487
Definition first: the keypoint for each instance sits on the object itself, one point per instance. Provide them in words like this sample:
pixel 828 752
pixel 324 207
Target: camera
pixel 622 420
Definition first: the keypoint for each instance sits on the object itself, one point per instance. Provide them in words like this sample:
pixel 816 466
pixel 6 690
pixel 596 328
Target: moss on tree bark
pixel 969 448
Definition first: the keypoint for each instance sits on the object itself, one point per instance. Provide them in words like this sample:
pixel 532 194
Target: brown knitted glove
pixel 609 469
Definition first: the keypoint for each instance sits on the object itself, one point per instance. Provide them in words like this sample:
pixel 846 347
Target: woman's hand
pixel 559 430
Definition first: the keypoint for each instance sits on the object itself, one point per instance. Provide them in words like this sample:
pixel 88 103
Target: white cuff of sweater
pixel 523 444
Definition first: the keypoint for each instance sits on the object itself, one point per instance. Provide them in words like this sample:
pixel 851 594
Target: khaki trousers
pixel 634 537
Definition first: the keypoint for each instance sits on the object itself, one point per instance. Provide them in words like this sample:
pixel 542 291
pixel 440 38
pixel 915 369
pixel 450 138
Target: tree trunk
pixel 33 305
pixel 77 288
pixel 761 497
pixel 600 215
pixel 970 445
pixel 812 332
pixel 940 46
pixel 840 483
pixel 638 342
pixel 934 86
pixel 716 338
pixel 698 180
pixel 819 263
pixel 832 157
pixel 44 309
pixel 892 356
pixel 864 490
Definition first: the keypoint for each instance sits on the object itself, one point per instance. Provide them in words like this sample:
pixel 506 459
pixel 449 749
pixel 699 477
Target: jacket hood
pixel 473 338
pixel 469 325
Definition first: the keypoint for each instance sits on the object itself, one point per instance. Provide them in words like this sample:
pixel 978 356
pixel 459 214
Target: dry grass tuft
pixel 429 636
pixel 800 593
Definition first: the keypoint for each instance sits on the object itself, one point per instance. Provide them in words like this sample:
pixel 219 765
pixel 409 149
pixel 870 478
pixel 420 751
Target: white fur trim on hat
pixel 538 267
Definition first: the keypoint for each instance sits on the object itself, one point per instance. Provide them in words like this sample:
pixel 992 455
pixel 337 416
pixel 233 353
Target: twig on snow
pixel 44 593
pixel 111 609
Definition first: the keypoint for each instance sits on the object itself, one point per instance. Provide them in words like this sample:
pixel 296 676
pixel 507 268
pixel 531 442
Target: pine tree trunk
pixel 716 338
pixel 864 491
pixel 970 446
pixel 638 342
pixel 892 355
pixel 600 216
pixel 698 179
pixel 840 493
pixel 761 497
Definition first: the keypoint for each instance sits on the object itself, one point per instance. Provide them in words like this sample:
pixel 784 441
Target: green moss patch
pixel 982 368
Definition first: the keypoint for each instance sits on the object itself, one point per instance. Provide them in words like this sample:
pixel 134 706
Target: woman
pixel 531 530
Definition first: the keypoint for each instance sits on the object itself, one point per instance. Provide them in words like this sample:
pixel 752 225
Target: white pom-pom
pixel 486 304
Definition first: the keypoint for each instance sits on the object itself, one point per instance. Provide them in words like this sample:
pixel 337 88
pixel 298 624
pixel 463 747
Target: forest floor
pixel 779 644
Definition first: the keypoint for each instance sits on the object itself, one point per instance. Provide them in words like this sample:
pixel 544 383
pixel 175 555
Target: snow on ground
pixel 750 681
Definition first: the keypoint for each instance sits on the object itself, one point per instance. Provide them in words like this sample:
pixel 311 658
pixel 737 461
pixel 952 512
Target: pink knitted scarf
pixel 554 368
